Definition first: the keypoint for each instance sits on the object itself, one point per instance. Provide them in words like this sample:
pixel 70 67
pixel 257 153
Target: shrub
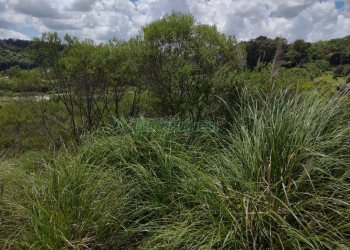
pixel 316 68
pixel 341 70
pixel 337 71
pixel 346 70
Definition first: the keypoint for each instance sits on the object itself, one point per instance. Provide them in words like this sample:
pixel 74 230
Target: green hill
pixel 15 52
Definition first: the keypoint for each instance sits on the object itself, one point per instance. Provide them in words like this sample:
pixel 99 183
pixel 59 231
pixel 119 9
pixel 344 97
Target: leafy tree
pixel 338 58
pixel 336 51
pixel 341 71
pixel 181 59
pixel 79 73
pixel 263 50
pixel 298 53
pixel 84 84
pixel 124 65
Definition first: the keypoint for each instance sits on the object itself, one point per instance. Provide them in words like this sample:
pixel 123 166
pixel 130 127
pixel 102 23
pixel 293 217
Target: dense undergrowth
pixel 278 178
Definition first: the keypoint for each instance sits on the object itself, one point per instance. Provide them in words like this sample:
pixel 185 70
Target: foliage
pixel 298 53
pixel 297 78
pixel 317 68
pixel 262 50
pixel 29 81
pixel 15 52
pixel 174 67
pixel 336 51
pixel 79 75
pixel 25 124
pixel 23 81
pixel 341 70
pixel 125 65
pixel 277 179
pixel 16 122
pixel 181 61
pixel 273 173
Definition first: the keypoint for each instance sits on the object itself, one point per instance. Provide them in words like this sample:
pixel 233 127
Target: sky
pixel 101 20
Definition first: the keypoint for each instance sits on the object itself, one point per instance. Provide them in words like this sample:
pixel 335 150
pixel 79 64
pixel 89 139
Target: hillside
pixel 15 52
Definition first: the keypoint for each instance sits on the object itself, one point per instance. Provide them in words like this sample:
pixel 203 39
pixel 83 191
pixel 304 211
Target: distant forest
pixel 259 50
pixel 15 52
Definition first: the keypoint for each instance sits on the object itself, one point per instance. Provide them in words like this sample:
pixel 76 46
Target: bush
pixel 346 70
pixel 316 68
pixel 14 71
pixel 341 70
pixel 27 124
pixel 5 85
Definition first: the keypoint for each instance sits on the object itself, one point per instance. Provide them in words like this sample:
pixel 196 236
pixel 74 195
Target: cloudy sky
pixel 101 20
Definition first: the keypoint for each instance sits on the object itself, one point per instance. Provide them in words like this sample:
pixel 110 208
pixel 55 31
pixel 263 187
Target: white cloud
pixel 4 34
pixel 103 19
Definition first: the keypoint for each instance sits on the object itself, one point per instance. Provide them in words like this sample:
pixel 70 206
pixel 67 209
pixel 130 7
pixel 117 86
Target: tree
pixel 79 73
pixel 181 59
pixel 84 83
pixel 263 50
pixel 298 53
pixel 124 63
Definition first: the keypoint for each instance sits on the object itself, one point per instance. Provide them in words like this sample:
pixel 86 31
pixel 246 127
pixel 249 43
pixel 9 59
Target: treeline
pixel 174 67
pixel 258 50
pixel 14 44
pixel 263 49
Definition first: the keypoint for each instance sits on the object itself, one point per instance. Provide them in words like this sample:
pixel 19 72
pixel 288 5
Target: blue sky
pixel 101 20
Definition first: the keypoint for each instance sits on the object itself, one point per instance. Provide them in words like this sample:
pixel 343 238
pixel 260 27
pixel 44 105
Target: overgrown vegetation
pixel 102 145
pixel 278 178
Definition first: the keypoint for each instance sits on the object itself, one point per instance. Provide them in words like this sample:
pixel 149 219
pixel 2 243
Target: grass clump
pixel 277 179
pixel 67 204
pixel 280 181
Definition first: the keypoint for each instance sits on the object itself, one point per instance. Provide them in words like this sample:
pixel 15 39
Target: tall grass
pixel 11 178
pixel 279 178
